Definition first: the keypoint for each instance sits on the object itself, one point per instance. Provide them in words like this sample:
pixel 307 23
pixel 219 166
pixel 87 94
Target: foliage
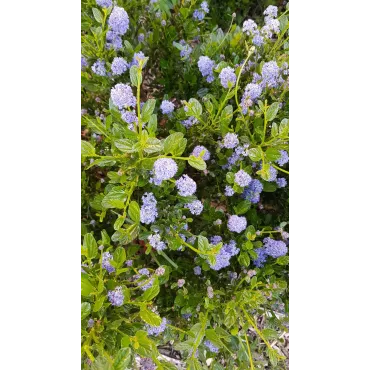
pixel 190 250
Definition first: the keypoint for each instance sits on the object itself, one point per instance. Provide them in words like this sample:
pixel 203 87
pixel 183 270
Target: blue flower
pixel 164 169
pixel 253 191
pixel 104 3
pixel 242 178
pixel 230 140
pixel 206 66
pixel 122 96
pixel 119 66
pixel 148 211
pixel 227 77
pixel 116 296
pixel 118 20
pixel 211 346
pixel 156 243
pixel 195 207
pixel 284 158
pixel 167 107
pixel 99 68
pixel 156 330
pixel 198 149
pixel 229 191
pixel 186 186
pixel 106 262
pixel 237 224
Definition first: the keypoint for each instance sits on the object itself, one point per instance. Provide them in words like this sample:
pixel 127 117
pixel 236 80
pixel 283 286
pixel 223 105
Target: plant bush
pixel 184 186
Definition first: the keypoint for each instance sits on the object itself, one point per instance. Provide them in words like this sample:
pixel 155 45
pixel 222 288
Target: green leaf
pixel 242 207
pixel 125 145
pixel 255 154
pixel 90 245
pixel 244 259
pixel 135 76
pixel 148 109
pixel 87 149
pixel 150 317
pixel 272 154
pixel 203 243
pixel 100 363
pixel 248 245
pixel 97 15
pixel 197 163
pixel 152 125
pixel 274 129
pixel 85 309
pixel 283 260
pixel 226 116
pixel 98 304
pixel 134 212
pixel 193 364
pixel 230 318
pixel 171 142
pixel 272 111
pixel 114 199
pixel 194 108
pixel 269 333
pixel 119 256
pixel 119 222
pixel 153 145
pixel 86 286
pixel 96 126
pixel 269 187
pixel 152 292
pixel 214 337
pixel 230 177
pixel 122 359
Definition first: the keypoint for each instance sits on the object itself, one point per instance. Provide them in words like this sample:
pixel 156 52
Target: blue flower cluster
pixel 195 207
pixel 199 14
pixel 189 122
pixel 122 96
pixel 211 346
pixel 156 330
pixel 186 186
pixel 237 223
pixel 227 77
pixel 116 296
pixel 242 178
pixel 230 140
pixel 83 62
pixel 143 272
pixel 226 252
pixel 251 93
pixel 156 243
pixel 104 3
pixel 229 191
pixel 253 191
pixel 206 66
pixel 281 182
pixel 106 262
pixel 148 211
pixel 163 169
pixel 271 247
pixel 119 66
pixel 284 158
pixel 167 107
pixel 197 270
pixel 200 148
pixel 99 68
pixel 118 20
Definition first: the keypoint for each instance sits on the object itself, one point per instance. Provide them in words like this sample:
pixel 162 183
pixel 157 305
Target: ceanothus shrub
pixel 184 187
